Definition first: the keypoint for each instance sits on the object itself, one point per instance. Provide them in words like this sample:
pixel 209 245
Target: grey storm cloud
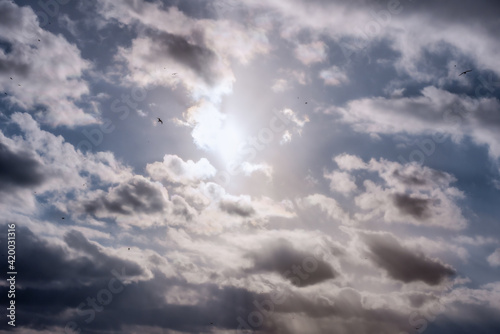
pixel 403 264
pixel 44 264
pixel 237 208
pixel 19 169
pixel 136 196
pixel 58 288
pixel 414 206
pixel 281 257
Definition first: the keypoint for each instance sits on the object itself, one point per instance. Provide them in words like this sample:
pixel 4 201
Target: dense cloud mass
pixel 288 166
pixel 18 169
pixel 402 264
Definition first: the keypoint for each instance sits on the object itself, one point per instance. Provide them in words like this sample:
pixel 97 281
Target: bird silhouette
pixel 159 120
pixel 464 72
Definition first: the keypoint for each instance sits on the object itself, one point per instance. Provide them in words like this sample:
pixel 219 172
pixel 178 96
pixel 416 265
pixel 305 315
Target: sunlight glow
pixel 229 140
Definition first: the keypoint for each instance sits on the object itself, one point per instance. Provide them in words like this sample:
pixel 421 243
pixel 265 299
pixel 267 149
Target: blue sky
pixel 321 166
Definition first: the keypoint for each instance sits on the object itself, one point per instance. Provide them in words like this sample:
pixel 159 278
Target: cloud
pixel 436 113
pixel 18 169
pixel 264 168
pixel 314 52
pixel 238 208
pixel 46 74
pixel 175 170
pixel 281 257
pixel 50 165
pixel 133 197
pixel 414 206
pixel 333 76
pixel 281 85
pixel 494 258
pixel 73 263
pixel 294 123
pixel 349 162
pixel 329 206
pixel 341 182
pixel 402 264
pixel 408 193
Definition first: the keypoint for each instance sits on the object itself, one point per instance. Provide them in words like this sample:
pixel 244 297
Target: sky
pixel 223 166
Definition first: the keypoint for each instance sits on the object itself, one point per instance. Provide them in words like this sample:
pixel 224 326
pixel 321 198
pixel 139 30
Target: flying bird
pixel 159 120
pixel 464 72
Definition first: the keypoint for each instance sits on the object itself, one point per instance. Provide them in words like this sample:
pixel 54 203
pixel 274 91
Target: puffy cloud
pixel 403 264
pixel 173 169
pixel 314 52
pixel 341 182
pixel 50 165
pixel 18 169
pixel 494 258
pixel 134 197
pixel 349 162
pixel 410 193
pixel 46 70
pixel 238 208
pixel 282 258
pixel 435 113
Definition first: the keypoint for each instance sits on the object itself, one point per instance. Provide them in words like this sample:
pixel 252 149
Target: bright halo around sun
pixel 229 141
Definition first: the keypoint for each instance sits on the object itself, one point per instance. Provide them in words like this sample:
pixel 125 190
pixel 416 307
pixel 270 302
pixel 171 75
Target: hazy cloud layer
pixel 320 167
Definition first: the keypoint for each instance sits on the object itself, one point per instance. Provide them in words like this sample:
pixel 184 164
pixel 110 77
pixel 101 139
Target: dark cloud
pixel 135 196
pixel 14 66
pixel 44 264
pixel 194 56
pixel 405 265
pixel 19 169
pixel 53 282
pixel 300 268
pixel 8 15
pixel 412 180
pixel 413 206
pixel 237 208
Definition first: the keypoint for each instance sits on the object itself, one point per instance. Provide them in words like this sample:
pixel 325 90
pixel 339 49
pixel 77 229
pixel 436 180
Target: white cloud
pixel 174 169
pixel 249 169
pixel 494 258
pixel 436 113
pixel 333 76
pixel 280 85
pixel 349 162
pixel 44 73
pixel 314 52
pixel 341 182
